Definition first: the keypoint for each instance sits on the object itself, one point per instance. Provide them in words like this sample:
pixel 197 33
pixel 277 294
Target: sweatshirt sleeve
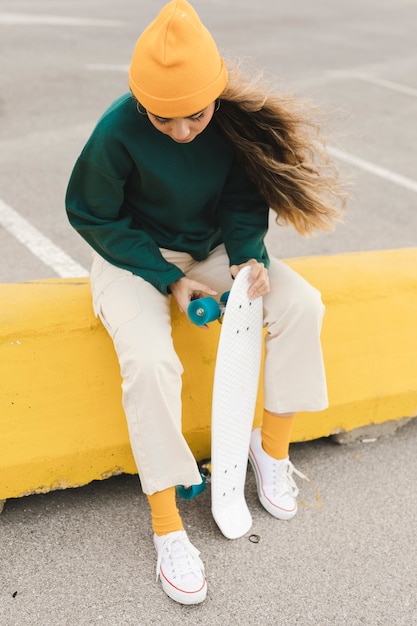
pixel 94 204
pixel 243 218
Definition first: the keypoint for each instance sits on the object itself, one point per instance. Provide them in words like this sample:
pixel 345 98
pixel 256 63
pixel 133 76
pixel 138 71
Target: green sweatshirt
pixel 134 190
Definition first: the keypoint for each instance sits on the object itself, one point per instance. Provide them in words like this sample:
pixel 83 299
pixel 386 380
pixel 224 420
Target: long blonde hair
pixel 283 152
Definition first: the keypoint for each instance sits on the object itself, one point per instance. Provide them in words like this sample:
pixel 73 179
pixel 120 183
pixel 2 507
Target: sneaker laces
pixel 283 481
pixel 186 556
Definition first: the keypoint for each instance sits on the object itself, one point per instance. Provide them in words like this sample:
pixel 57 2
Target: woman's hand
pixel 184 290
pixel 258 278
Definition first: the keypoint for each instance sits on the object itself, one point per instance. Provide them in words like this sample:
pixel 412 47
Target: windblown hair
pixel 283 153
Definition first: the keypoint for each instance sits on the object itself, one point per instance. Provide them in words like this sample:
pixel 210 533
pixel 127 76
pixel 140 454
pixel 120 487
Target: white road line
pixel 38 244
pixel 25 19
pixel 107 67
pixel 380 82
pixel 377 170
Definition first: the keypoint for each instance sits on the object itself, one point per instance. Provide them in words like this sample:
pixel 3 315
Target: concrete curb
pixel 61 421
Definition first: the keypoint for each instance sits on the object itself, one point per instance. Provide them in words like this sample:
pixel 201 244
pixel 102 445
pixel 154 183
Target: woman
pixel 172 191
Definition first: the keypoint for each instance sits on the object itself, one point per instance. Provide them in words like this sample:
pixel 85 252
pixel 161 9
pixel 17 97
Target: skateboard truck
pixel 191 491
pixel 204 310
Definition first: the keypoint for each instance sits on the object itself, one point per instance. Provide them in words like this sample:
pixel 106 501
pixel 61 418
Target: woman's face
pixel 183 129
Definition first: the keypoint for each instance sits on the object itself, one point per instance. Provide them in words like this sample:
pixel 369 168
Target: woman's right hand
pixel 185 289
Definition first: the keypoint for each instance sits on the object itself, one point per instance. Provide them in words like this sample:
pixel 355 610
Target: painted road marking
pixel 379 82
pixel 362 76
pixel 107 67
pixel 26 19
pixel 39 245
pixel 377 170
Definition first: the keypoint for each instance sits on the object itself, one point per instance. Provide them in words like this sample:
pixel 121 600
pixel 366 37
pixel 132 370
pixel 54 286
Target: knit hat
pixel 176 69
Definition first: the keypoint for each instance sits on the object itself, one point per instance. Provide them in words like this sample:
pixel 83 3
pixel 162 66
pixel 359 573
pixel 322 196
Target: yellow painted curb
pixel 61 421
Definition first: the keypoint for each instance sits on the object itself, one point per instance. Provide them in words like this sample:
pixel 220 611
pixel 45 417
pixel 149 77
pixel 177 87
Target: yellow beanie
pixel 176 69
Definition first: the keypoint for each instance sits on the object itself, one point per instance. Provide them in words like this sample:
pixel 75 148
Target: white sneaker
pixel 180 568
pixel 277 490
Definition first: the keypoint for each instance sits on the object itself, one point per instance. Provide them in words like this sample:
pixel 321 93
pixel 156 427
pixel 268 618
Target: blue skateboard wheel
pixel 203 310
pixel 187 493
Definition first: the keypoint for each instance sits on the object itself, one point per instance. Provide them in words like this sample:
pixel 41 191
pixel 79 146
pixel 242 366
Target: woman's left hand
pixel 258 277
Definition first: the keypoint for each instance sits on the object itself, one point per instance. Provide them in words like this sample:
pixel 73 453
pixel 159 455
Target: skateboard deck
pixel 236 379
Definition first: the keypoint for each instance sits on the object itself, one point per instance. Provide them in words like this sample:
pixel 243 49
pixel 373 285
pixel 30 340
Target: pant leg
pixel 294 376
pixel 137 317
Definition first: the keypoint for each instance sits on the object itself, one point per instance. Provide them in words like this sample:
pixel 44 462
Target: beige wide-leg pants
pixel 137 317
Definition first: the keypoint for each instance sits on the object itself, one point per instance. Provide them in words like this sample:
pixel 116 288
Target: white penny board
pixel 236 379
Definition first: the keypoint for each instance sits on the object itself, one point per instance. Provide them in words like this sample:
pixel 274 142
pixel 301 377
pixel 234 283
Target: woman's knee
pixel 292 298
pixel 308 301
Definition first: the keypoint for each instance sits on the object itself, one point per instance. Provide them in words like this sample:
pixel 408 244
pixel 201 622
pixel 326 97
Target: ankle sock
pixel 165 515
pixel 276 435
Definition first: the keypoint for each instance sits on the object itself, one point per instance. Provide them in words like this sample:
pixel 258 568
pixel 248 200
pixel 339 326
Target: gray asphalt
pixel 85 556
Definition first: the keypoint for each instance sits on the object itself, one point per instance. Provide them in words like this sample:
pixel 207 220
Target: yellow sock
pixel 165 515
pixel 276 434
